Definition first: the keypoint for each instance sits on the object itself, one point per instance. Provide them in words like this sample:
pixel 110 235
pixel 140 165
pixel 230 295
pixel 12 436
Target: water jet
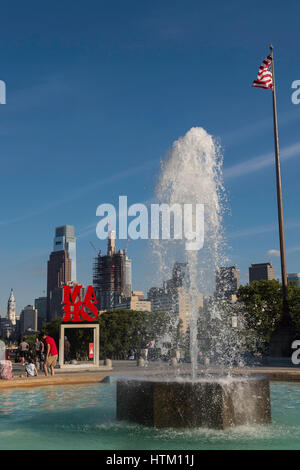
pixel 192 174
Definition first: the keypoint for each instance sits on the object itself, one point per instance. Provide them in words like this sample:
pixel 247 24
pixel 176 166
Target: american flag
pixel 264 76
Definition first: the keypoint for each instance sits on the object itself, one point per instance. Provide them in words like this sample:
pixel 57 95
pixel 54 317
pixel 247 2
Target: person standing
pixel 67 349
pixel 152 349
pixel 24 348
pixel 51 354
pixel 144 350
pixel 38 350
pixel 42 352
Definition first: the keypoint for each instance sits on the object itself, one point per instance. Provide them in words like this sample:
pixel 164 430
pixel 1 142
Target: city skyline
pixel 112 249
pixel 73 116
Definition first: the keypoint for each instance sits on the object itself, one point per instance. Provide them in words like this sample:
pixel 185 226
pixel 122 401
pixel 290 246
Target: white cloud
pixel 294 249
pixel 238 135
pixel 251 231
pixel 261 229
pixel 258 163
pixel 273 253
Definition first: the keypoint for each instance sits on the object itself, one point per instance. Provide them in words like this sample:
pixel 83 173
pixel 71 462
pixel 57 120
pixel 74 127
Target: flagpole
pixel 286 318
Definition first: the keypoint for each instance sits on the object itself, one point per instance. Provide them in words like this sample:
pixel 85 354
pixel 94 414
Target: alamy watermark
pixel 177 222
pixel 296 354
pixel 2 92
pixel 296 94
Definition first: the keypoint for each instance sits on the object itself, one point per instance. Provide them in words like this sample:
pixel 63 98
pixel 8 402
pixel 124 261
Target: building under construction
pixel 112 276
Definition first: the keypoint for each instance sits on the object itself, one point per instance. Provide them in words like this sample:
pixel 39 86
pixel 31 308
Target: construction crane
pixel 97 251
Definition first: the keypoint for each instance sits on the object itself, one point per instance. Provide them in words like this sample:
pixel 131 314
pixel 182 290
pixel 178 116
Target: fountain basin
pixel 213 402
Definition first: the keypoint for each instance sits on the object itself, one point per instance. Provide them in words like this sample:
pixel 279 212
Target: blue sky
pixel 96 94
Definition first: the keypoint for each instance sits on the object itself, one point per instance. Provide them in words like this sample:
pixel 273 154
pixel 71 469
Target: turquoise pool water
pixel 83 417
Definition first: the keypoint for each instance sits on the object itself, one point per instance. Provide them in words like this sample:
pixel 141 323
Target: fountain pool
pixel 84 417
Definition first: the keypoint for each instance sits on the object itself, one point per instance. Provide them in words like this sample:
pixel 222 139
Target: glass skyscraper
pixel 65 240
pixel 61 269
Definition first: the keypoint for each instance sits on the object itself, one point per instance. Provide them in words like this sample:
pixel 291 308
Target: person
pixel 42 352
pixel 152 349
pixel 144 350
pixel 131 355
pixel 67 349
pixel 30 367
pixel 24 348
pixel 37 350
pixel 6 372
pixel 51 354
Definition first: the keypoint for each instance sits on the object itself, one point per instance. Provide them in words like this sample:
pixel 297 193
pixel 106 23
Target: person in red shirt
pixel 51 354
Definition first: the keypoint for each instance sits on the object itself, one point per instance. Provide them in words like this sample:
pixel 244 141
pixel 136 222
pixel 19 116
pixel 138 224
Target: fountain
pixel 192 174
pixel 212 402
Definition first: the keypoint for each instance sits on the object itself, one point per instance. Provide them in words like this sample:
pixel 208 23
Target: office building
pixel 58 274
pixel 112 276
pixel 294 277
pixel 261 271
pixel 61 268
pixel 28 320
pixel 135 302
pixel 174 297
pixel 40 304
pixel 227 282
pixel 65 240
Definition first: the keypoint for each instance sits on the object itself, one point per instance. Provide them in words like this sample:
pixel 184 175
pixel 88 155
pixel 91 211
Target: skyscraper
pixel 11 308
pixel 174 296
pixel 227 282
pixel 61 268
pixel 65 240
pixel 261 272
pixel 112 276
pixel 40 304
pixel 28 319
pixel 180 276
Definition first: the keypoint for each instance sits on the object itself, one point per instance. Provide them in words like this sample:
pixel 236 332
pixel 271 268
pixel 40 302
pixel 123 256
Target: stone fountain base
pixel 213 402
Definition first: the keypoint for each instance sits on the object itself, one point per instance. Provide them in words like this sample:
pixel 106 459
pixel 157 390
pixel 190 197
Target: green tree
pixel 262 306
pixel 52 329
pixel 122 330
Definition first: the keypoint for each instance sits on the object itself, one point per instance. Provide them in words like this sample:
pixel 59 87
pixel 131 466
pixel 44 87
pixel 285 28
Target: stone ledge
pixel 277 374
pixel 81 368
pixel 59 379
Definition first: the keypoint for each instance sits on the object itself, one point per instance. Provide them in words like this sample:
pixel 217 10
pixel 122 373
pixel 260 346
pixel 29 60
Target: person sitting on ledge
pixel 30 367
